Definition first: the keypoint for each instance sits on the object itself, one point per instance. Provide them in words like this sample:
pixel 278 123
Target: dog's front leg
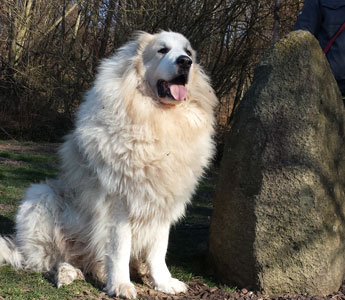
pixel 117 260
pixel 160 275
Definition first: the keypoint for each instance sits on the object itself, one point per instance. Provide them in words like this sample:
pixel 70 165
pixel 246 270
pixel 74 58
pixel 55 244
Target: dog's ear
pixel 143 39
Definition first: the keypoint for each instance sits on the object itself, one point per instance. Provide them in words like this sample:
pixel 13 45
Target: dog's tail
pixel 9 253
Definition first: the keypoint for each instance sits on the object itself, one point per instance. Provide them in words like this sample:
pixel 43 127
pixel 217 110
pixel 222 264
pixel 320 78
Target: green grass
pixel 187 253
pixel 17 171
pixel 30 285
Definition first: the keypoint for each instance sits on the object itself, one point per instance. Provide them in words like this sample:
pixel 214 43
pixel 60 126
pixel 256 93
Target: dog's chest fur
pixel 162 164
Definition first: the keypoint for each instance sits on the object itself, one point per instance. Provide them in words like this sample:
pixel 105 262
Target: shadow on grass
pixel 188 250
pixel 6 226
pixel 187 255
pixel 199 211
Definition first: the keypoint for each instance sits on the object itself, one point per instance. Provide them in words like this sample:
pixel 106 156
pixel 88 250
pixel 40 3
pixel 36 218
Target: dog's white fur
pixel 128 170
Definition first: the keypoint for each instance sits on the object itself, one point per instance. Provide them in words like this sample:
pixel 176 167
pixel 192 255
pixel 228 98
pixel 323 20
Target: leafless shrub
pixel 49 50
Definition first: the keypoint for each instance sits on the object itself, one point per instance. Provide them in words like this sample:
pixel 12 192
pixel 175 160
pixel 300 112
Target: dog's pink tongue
pixel 179 92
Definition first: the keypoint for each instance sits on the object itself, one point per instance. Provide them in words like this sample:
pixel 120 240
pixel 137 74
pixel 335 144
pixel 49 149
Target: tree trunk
pixel 276 21
pixel 107 25
pixel 20 23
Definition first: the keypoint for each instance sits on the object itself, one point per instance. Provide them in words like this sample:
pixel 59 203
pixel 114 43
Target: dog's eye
pixel 163 50
pixel 189 53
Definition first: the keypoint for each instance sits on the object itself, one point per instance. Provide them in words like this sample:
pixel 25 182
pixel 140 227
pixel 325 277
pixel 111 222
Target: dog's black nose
pixel 184 62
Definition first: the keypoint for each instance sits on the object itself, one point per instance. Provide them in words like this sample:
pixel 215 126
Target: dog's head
pixel 168 59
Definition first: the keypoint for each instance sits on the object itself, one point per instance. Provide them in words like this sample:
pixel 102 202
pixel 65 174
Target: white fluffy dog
pixel 142 139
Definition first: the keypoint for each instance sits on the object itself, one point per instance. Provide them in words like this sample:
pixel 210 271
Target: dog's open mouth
pixel 174 89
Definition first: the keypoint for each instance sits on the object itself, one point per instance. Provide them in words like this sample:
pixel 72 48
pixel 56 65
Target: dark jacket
pixel 323 18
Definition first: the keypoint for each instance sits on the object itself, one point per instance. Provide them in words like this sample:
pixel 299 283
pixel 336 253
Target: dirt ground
pixel 198 290
pixel 30 148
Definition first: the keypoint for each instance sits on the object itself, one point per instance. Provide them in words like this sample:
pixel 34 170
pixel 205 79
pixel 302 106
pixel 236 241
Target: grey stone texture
pixel 279 210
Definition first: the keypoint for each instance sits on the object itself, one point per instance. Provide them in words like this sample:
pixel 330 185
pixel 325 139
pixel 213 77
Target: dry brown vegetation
pixel 49 50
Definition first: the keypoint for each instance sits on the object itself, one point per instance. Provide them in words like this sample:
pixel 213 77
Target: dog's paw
pixel 123 290
pixel 66 274
pixel 171 286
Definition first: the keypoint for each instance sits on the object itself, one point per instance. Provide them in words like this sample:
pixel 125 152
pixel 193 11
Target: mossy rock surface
pixel 279 212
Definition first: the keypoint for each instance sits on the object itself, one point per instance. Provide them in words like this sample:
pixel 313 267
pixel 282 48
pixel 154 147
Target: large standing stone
pixel 279 212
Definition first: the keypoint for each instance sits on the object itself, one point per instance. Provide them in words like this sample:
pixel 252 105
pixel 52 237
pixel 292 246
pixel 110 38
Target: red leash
pixel 330 43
